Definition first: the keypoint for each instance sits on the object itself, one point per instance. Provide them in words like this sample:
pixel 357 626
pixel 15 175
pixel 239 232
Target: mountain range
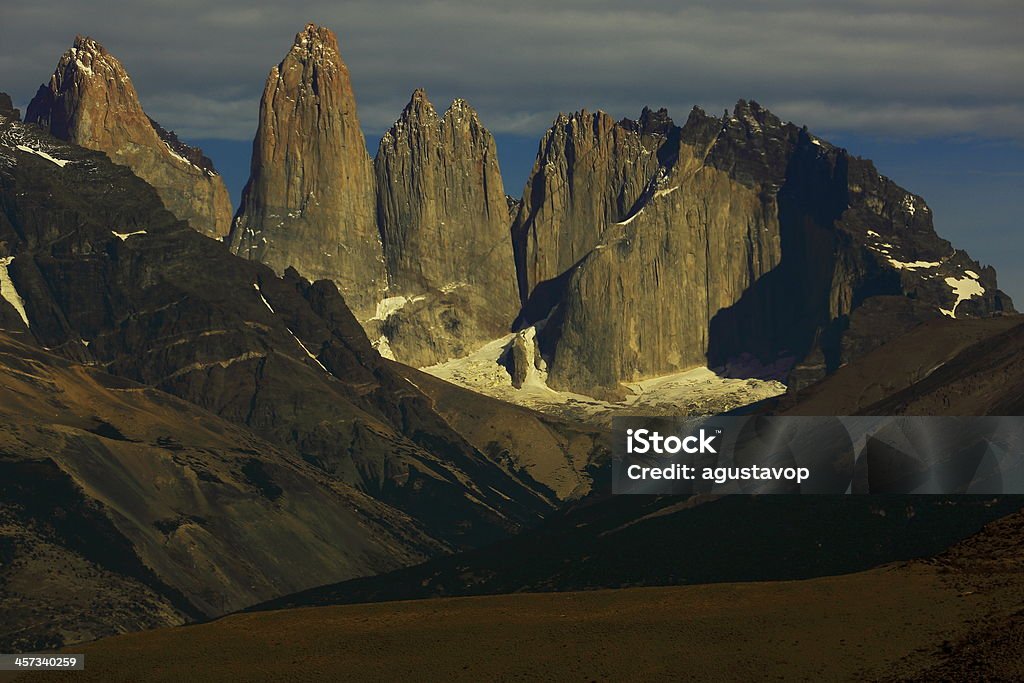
pixel 109 299
pixel 206 412
pixel 638 249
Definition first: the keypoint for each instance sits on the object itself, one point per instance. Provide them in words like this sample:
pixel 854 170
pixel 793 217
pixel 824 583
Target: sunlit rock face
pixel 725 238
pixel 310 202
pixel 90 100
pixel 444 220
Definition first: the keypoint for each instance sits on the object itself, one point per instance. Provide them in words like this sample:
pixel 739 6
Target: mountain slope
pixel 90 101
pixel 127 508
pixel 940 367
pixel 563 457
pixel 623 541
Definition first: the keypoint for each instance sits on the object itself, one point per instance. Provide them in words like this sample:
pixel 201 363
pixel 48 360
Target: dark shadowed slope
pixel 124 508
pixel 951 367
pixel 652 541
pixel 940 367
pixel 953 618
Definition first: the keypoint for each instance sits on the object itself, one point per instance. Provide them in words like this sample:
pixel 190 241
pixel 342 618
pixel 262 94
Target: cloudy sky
pixel 932 90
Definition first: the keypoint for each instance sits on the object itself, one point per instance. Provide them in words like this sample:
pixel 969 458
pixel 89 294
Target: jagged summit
pixel 314 37
pixel 443 219
pixel 90 100
pixel 460 108
pixel 419 99
pixel 55 104
pixel 650 121
pixel 421 111
pixel 732 237
pixel 317 44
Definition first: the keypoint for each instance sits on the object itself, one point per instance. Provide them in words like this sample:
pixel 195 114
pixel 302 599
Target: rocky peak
pixel 443 218
pixel 317 43
pixel 419 100
pixel 460 111
pixel 90 100
pixel 310 200
pixel 85 72
pixel 417 114
pixel 651 122
pixel 590 172
pixel 756 239
pixel 752 146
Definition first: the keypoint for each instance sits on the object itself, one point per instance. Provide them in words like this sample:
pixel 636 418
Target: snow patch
pixel 81 66
pixel 914 265
pixel 698 391
pixel 391 305
pixel 971 274
pixel 60 162
pixel 7 290
pixel 308 352
pixel 631 218
pixel 911 206
pixel 964 289
pixel 383 348
pixel 266 303
pixel 179 157
pixel 125 235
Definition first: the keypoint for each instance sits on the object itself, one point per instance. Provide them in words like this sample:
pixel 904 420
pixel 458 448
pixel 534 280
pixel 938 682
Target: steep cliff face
pixel 590 172
pixel 90 100
pixel 750 241
pixel 310 200
pixel 697 239
pixel 443 217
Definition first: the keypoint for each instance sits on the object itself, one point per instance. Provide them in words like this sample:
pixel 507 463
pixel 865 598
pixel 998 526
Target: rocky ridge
pixel 639 249
pixel 90 101
pixel 695 260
